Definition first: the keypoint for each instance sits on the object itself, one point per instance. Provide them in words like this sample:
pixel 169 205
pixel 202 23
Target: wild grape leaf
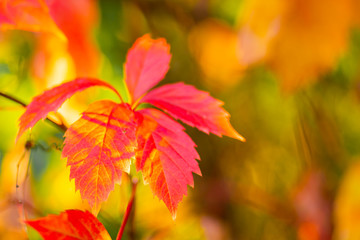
pixel 147 62
pixel 52 99
pixel 28 15
pixel 194 107
pixel 98 147
pixel 70 225
pixel 166 156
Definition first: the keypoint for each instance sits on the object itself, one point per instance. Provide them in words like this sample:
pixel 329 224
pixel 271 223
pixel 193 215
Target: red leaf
pixel 52 99
pixel 147 62
pixel 194 107
pixel 28 15
pixel 98 147
pixel 166 155
pixel 77 20
pixel 70 225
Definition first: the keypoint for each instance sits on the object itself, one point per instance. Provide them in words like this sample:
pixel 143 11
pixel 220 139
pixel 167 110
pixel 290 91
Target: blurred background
pixel 288 72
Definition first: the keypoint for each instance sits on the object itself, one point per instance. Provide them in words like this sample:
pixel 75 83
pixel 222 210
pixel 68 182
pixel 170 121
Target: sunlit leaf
pixel 259 23
pixel 214 44
pixel 147 62
pixel 77 20
pixel 70 225
pixel 52 99
pixel 98 147
pixel 101 144
pixel 166 156
pixel 194 107
pixel 27 15
pixel 347 205
pixel 299 39
pixel 51 64
pixel 312 36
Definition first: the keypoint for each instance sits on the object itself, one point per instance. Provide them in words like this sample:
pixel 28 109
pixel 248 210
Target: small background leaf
pixel 69 225
pixel 28 15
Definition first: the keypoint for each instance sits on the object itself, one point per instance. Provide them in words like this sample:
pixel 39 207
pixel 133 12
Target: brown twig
pixel 13 99
pixel 128 209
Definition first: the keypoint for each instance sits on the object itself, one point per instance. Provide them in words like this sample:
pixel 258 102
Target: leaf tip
pixel 20 133
pixel 95 209
pixel 239 137
pixel 231 132
pixel 173 216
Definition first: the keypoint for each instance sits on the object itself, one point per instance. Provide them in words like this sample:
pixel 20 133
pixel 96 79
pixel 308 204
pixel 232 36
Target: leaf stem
pixel 128 209
pixel 13 99
pixel 137 102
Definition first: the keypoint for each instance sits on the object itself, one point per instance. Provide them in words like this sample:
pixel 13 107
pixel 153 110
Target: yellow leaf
pixel 347 206
pixel 214 45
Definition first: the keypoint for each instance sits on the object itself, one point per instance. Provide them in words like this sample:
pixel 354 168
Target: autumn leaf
pixel 27 15
pixel 213 43
pixel 52 99
pixel 260 22
pixel 98 147
pixel 311 39
pixel 65 47
pixel 70 225
pixel 300 40
pixel 147 62
pixel 166 156
pixel 76 19
pixel 347 204
pixel 194 107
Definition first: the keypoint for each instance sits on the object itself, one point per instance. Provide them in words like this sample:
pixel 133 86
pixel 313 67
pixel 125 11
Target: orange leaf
pixel 166 156
pixel 77 19
pixel 98 147
pixel 70 225
pixel 27 15
pixel 194 107
pixel 213 43
pixel 312 36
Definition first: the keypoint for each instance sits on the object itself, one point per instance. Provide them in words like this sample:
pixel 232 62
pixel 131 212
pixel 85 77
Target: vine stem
pixel 13 99
pixel 128 209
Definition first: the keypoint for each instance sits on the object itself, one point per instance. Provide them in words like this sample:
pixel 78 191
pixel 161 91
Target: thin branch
pixel 13 201
pixel 128 209
pixel 13 99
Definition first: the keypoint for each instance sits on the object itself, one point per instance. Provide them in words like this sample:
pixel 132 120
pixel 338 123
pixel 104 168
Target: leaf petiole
pixel 61 126
pixel 128 209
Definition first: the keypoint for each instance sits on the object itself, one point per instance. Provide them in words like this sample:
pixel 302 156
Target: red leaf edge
pixel 53 98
